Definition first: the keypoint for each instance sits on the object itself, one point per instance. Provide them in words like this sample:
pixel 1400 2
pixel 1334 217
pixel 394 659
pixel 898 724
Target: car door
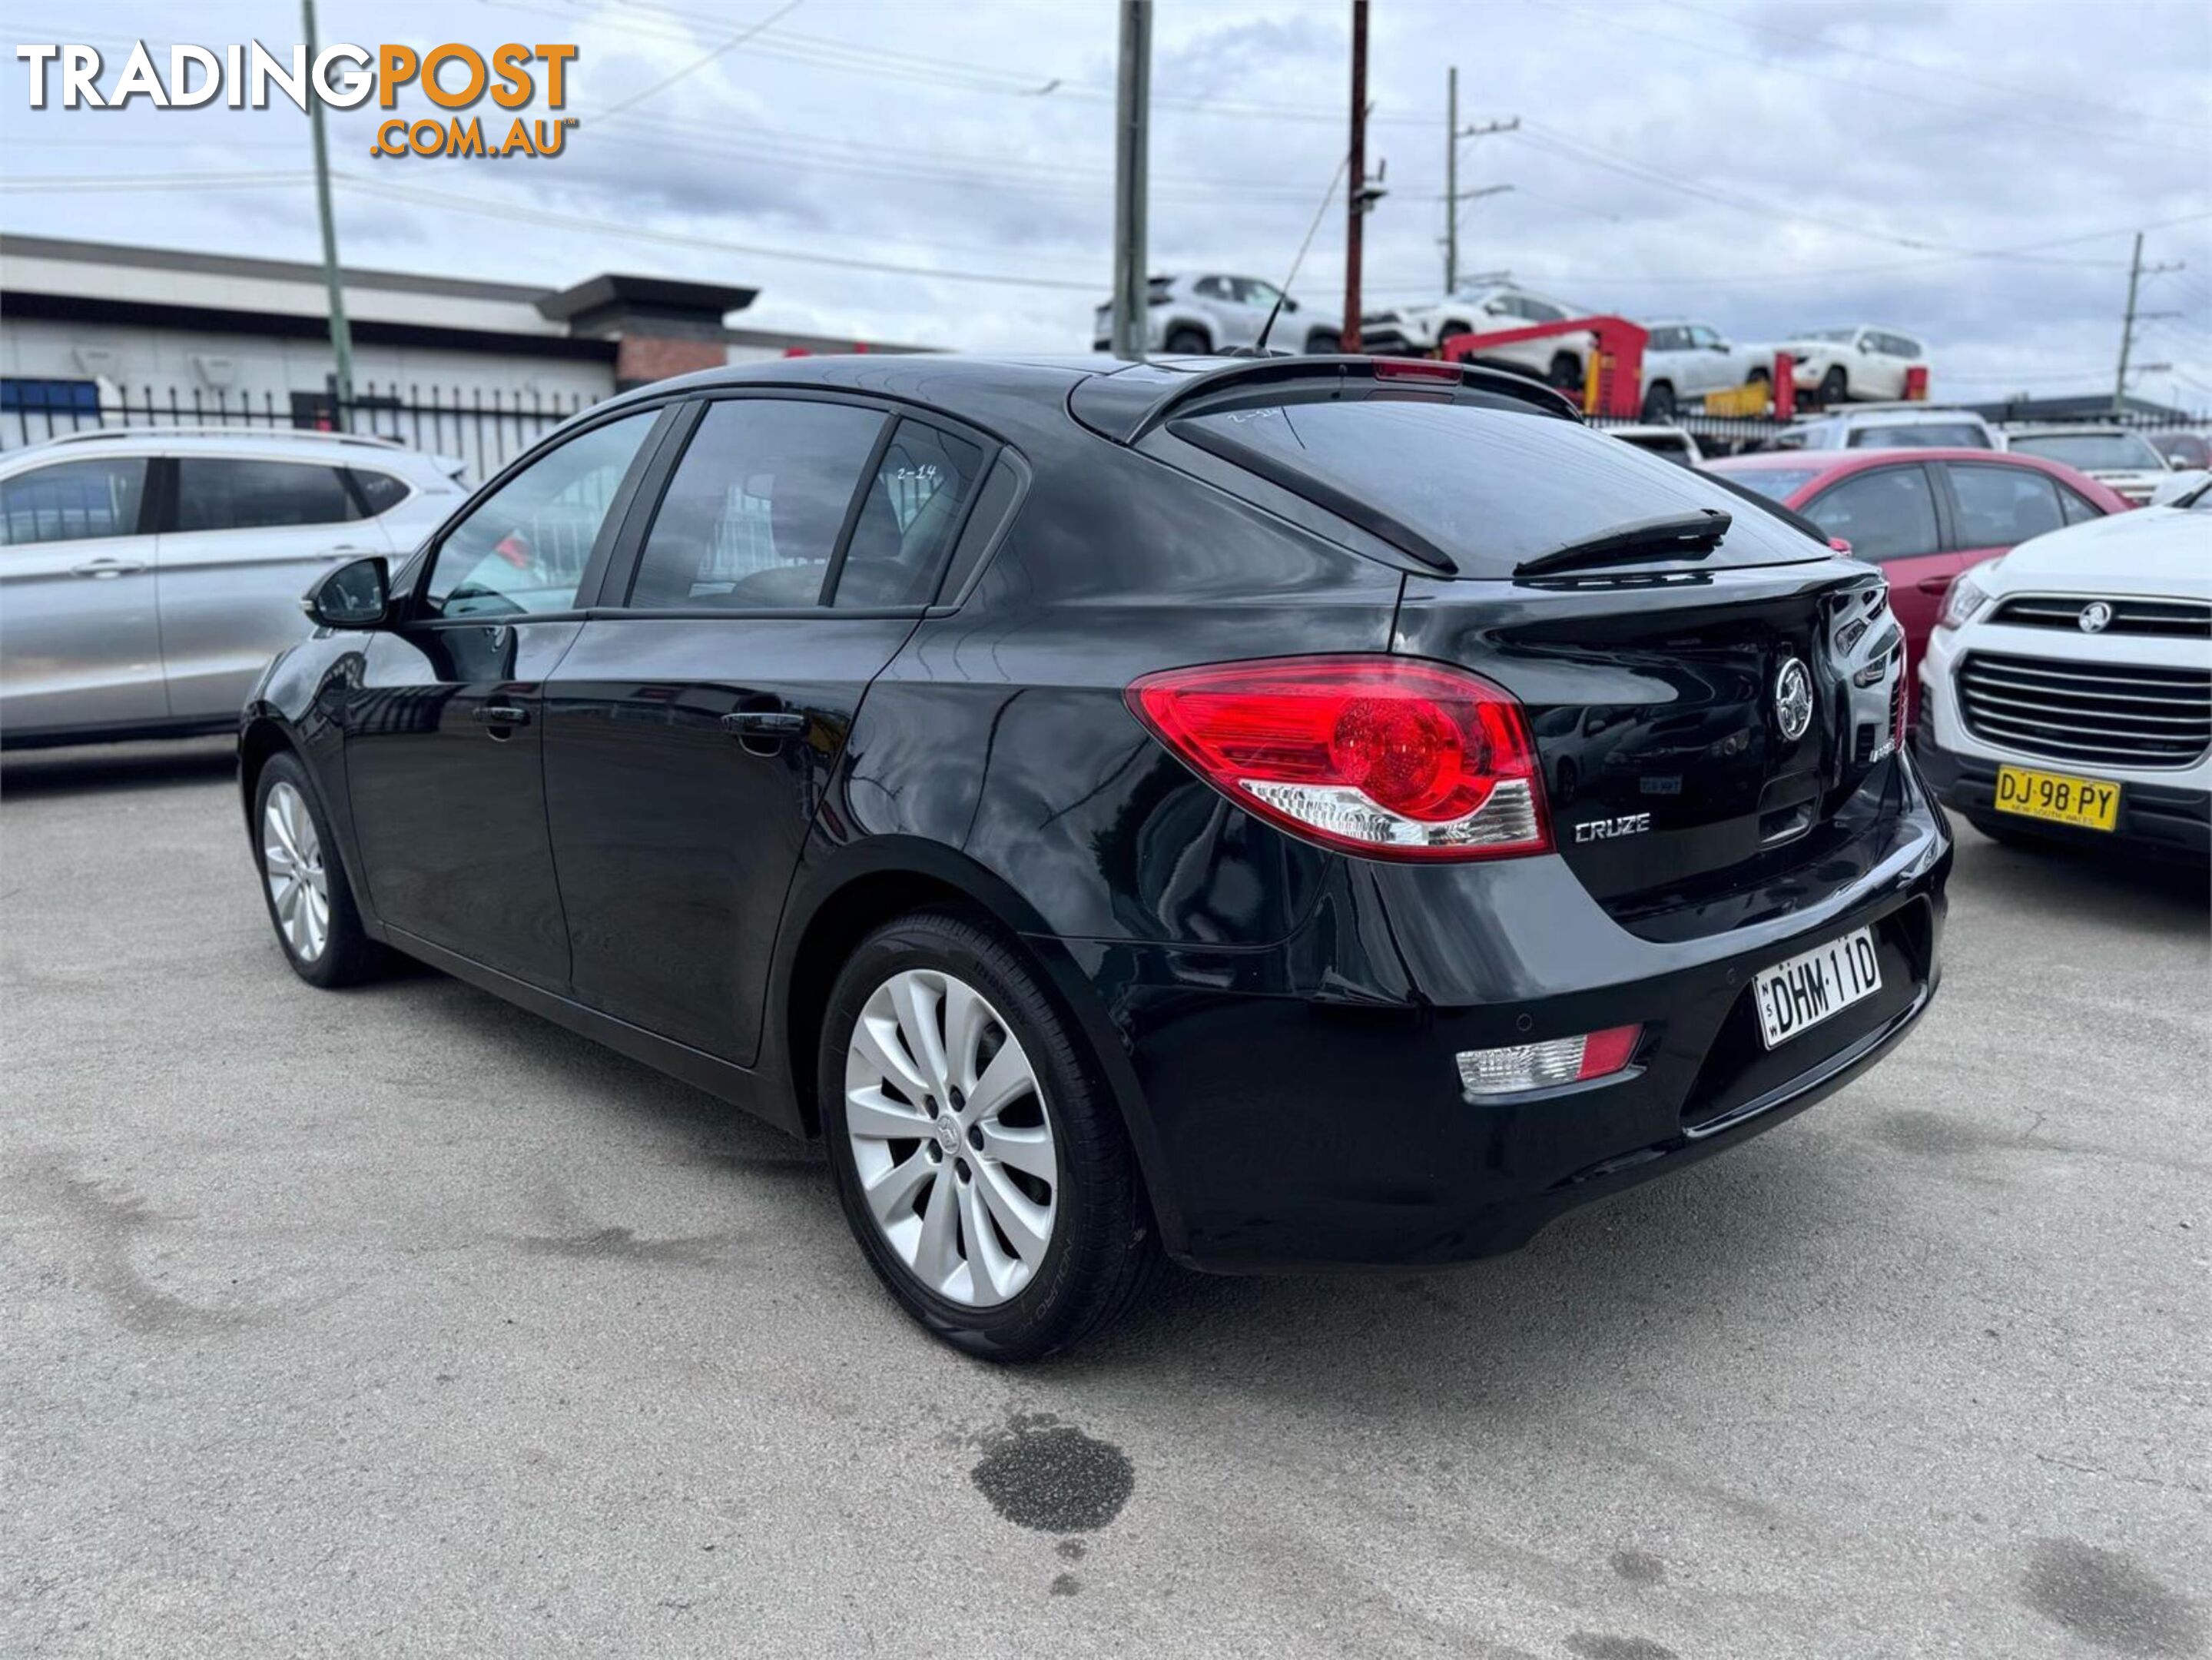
pixel 84 641
pixel 1710 367
pixel 440 712
pixel 243 537
pixel 1890 515
pixel 692 730
pixel 1994 507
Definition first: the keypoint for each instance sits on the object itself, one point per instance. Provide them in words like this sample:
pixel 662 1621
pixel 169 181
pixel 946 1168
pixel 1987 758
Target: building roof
pixel 60 278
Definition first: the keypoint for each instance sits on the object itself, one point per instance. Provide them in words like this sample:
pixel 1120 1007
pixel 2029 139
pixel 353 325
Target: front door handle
pixel 102 569
pixel 1933 584
pixel 765 723
pixel 500 716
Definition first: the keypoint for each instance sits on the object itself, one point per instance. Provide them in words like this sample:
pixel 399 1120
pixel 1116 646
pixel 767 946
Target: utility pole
pixel 1355 199
pixel 1131 114
pixel 1453 133
pixel 341 330
pixel 2136 271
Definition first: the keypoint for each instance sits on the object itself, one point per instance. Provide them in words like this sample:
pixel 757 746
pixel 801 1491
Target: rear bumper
pixel 1292 1115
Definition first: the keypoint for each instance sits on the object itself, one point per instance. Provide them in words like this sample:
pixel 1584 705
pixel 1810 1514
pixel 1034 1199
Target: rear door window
pixel 1493 488
pixel 1886 513
pixel 756 507
pixel 1920 435
pixel 379 490
pixel 226 493
pixel 73 501
pixel 2003 507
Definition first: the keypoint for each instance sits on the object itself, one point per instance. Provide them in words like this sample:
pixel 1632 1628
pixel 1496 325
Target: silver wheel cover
pixel 292 865
pixel 950 1138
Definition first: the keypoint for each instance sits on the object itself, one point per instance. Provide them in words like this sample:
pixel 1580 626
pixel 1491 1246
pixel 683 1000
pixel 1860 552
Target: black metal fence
pixel 483 430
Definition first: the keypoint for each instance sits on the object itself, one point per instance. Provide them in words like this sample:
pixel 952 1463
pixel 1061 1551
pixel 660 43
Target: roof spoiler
pixel 1127 403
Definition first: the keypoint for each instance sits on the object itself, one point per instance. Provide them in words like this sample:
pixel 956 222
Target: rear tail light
pixel 1381 756
pixel 1521 1067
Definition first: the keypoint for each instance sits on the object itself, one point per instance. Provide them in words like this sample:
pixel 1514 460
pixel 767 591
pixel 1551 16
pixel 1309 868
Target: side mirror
pixel 1837 545
pixel 1289 304
pixel 356 595
pixel 1722 345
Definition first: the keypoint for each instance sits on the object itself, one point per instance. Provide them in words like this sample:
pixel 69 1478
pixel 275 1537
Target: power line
pixel 733 42
pixel 1948 73
pixel 1611 20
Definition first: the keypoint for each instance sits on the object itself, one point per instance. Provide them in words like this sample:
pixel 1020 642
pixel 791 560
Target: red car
pixel 1923 515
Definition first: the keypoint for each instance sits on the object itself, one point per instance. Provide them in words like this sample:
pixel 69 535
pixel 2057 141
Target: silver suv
pixel 149 572
pixel 1195 316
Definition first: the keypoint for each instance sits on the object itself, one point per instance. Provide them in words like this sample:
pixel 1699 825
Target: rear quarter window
pixel 1493 488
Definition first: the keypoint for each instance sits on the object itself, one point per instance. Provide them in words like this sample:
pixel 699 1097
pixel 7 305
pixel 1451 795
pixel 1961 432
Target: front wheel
pixel 1567 371
pixel 1187 342
pixel 1323 342
pixel 981 1162
pixel 1835 388
pixel 310 901
pixel 1659 403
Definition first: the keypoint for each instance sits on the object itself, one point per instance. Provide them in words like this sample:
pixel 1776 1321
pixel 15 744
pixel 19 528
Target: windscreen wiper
pixel 1676 536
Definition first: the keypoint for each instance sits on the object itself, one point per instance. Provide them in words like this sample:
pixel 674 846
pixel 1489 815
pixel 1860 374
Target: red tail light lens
pixel 1417 369
pixel 1381 756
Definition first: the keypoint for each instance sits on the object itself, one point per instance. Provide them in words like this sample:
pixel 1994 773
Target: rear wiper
pixel 1676 536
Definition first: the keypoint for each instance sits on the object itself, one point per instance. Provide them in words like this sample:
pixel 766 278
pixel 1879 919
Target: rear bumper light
pixel 1388 756
pixel 1518 1067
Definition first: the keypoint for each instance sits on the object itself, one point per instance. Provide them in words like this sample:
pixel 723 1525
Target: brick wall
pixel 641 358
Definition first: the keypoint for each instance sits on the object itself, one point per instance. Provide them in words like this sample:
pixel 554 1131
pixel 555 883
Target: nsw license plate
pixel 1805 990
pixel 2058 797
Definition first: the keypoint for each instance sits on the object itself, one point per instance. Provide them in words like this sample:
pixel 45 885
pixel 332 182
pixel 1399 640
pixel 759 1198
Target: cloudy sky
pixel 1971 170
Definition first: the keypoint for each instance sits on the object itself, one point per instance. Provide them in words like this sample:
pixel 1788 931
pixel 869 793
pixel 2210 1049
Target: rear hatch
pixel 1715 696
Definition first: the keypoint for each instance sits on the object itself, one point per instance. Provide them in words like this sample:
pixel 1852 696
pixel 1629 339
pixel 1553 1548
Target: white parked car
pixel 2067 690
pixel 1890 427
pixel 151 571
pixel 2117 457
pixel 1839 366
pixel 1683 362
pixel 1673 442
pixel 1195 316
pixel 1486 308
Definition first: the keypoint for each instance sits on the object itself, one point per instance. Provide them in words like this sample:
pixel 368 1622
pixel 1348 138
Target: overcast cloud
pixel 1760 164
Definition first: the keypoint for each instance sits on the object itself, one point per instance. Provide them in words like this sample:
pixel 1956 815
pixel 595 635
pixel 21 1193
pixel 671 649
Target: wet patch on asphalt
pixel 1638 1567
pixel 1041 1473
pixel 2104 1598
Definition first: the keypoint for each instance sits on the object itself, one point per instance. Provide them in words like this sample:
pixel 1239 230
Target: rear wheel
pixel 310 901
pixel 980 1160
pixel 1188 342
pixel 1835 387
pixel 1659 403
pixel 1321 342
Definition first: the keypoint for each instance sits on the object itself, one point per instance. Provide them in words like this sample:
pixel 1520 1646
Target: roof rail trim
pixel 139 432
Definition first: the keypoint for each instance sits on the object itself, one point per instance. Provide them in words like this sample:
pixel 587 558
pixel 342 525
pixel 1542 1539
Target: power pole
pixel 1355 199
pixel 2136 271
pixel 1453 133
pixel 341 330
pixel 1132 114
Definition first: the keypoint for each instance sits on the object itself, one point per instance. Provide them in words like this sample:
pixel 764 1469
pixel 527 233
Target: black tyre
pixel 1321 342
pixel 1567 371
pixel 1758 377
pixel 303 881
pixel 1188 342
pixel 1659 402
pixel 980 1159
pixel 1835 388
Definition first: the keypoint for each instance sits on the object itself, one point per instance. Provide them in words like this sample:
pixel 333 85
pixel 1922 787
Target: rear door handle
pixel 101 569
pixel 503 714
pixel 1934 584
pixel 765 723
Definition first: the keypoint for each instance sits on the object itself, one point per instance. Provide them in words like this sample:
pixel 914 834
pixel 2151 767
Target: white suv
pixel 1850 365
pixel 1683 362
pixel 1486 308
pixel 1197 316
pixel 2067 690
pixel 151 572
pixel 1890 427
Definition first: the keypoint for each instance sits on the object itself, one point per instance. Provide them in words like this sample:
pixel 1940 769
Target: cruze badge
pixel 1604 830
pixel 1793 700
pixel 2096 617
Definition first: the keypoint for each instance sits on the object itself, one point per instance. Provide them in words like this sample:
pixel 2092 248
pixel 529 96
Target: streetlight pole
pixel 341 330
pixel 1453 133
pixel 1355 199
pixel 1133 111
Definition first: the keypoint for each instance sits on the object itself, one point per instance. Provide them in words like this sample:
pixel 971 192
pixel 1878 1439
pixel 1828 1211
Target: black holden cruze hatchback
pixel 1261 813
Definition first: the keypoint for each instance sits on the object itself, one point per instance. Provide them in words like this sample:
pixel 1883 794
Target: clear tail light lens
pixel 1387 757
pixel 1519 1067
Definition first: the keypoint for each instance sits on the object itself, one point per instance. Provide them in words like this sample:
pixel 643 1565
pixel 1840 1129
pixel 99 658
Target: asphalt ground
pixel 398 1322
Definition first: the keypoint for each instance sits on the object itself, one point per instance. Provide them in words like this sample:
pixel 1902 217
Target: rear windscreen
pixel 1491 488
